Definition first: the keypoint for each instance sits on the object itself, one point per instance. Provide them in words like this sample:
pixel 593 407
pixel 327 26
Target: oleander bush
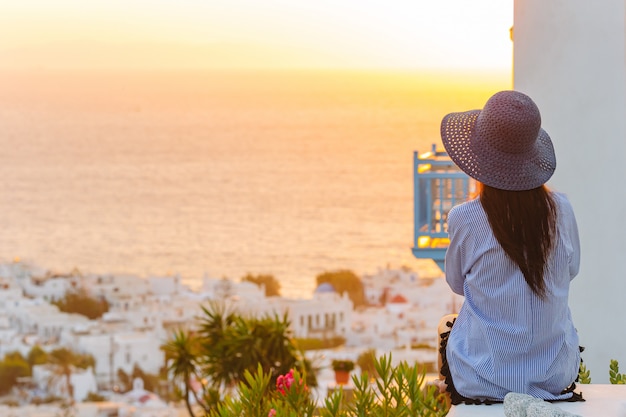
pixel 399 391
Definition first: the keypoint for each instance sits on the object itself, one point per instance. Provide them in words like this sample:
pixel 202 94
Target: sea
pixel 219 173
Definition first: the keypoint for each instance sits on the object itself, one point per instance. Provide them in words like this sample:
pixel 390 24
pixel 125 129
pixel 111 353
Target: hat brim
pixel 505 171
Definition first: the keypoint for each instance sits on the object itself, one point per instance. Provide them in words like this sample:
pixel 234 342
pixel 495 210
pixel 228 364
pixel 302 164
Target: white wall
pixel 83 382
pixel 141 348
pixel 569 56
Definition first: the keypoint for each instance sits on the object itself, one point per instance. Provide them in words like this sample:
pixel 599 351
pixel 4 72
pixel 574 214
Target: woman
pixel 513 252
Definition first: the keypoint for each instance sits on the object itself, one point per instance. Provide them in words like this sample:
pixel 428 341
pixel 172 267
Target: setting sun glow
pixel 389 34
pixel 223 137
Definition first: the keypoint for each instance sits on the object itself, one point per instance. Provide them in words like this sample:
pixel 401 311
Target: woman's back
pixel 506 337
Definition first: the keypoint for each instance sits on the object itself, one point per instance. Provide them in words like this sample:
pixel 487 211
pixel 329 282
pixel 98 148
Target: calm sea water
pixel 222 174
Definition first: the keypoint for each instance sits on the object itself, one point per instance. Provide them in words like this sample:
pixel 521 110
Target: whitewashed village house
pixel 144 313
pixel 405 310
pixel 83 382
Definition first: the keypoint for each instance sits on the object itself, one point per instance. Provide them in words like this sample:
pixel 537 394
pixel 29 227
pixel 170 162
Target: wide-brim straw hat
pixel 502 145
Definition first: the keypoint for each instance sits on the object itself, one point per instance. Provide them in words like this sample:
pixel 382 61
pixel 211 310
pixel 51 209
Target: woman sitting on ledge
pixel 513 252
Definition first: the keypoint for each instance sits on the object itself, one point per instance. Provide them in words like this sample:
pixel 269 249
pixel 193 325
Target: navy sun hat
pixel 502 145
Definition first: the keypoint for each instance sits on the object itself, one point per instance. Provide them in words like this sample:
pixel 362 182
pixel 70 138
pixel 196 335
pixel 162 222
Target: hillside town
pixel 400 317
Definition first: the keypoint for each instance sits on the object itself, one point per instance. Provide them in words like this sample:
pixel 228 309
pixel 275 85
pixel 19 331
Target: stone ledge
pixel 601 400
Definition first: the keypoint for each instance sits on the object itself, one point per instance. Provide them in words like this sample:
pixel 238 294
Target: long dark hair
pixel 524 223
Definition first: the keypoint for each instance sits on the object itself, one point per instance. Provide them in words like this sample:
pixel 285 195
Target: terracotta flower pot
pixel 342 377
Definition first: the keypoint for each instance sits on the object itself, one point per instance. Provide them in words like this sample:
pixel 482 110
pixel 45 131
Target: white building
pixel 98 344
pixel 10 292
pixel 569 56
pixel 105 286
pixel 144 313
pixel 138 348
pixel 171 285
pixel 118 347
pixel 326 314
pixel 83 382
pixel 44 320
pixel 218 289
pixel 50 289
pixel 8 336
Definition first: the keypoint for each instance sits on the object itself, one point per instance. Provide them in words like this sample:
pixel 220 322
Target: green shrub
pixel 94 397
pixel 345 281
pixel 398 392
pixel 80 302
pixel 317 344
pixel 614 376
pixel 367 362
pixel 12 367
pixel 271 284
pixel 342 365
pixel 583 374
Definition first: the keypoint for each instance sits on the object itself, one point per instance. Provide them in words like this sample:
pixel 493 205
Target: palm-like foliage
pixel 182 353
pixel 234 344
pixel 227 346
pixel 218 359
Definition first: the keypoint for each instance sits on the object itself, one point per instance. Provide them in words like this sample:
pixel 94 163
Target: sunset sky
pixel 409 34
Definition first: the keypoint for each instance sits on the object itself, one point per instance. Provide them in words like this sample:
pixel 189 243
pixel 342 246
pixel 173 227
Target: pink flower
pixel 272 413
pixel 283 383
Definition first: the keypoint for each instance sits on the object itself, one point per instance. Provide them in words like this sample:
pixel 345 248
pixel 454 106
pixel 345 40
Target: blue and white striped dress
pixel 505 338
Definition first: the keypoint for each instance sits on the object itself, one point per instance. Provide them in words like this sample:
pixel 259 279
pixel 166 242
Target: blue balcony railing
pixel 438 186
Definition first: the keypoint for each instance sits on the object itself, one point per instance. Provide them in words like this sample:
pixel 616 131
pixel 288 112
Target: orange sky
pixel 408 34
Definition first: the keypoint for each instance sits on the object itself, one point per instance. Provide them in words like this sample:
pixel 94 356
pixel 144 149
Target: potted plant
pixel 342 368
